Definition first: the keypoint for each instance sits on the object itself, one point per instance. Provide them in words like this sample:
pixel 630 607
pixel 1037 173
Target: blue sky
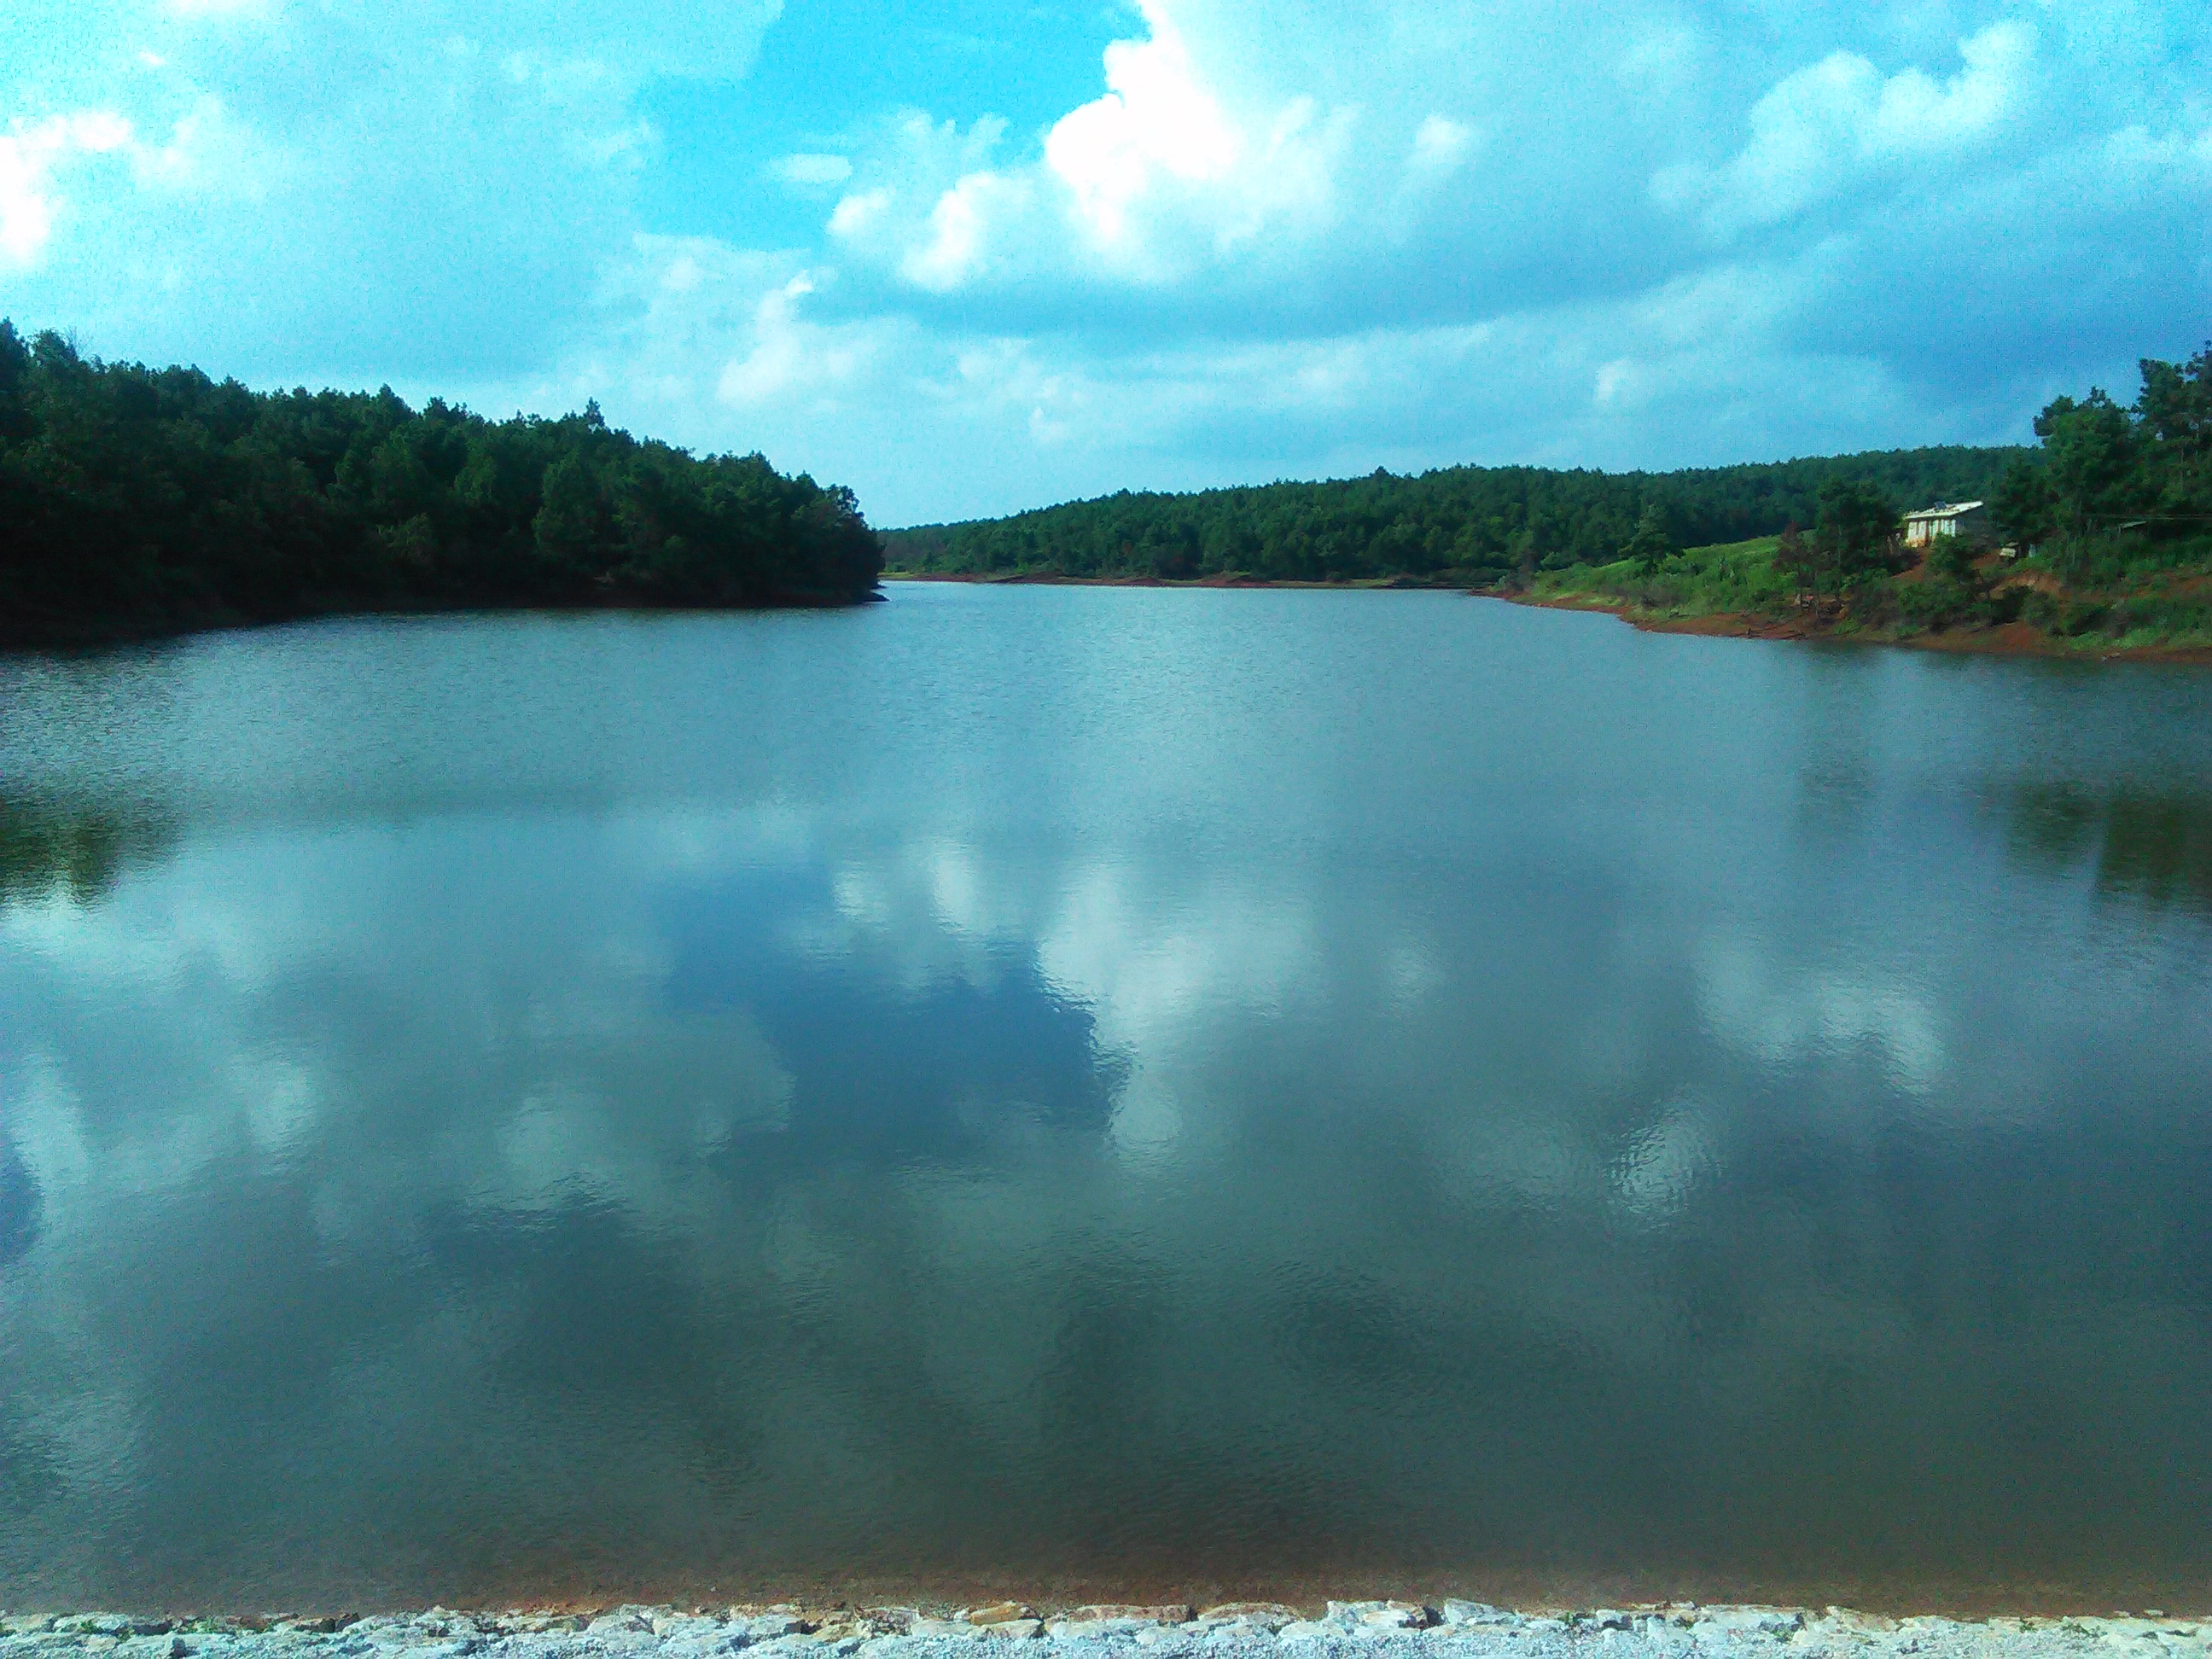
pixel 969 257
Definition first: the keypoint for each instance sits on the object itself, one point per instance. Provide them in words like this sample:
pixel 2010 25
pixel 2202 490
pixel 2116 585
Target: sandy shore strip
pixel 1372 1630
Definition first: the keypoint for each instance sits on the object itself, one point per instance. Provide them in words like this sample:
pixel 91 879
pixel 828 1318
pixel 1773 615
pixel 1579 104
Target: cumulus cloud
pixel 1157 119
pixel 1823 129
pixel 29 158
pixel 1154 181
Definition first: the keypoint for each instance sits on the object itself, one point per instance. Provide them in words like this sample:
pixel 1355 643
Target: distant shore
pixel 1039 578
pixel 2007 639
pixel 2015 639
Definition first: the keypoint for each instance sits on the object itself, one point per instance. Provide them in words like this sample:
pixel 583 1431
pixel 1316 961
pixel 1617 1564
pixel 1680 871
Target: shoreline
pixel 84 643
pixel 2015 639
pixel 1033 578
pixel 1448 1629
pixel 2010 639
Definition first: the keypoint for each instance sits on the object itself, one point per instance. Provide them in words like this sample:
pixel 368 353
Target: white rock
pixel 1309 1630
pixel 1718 1624
pixel 1456 1612
pixel 685 1626
pixel 2119 1631
pixel 1262 1615
pixel 1382 1615
pixel 766 1626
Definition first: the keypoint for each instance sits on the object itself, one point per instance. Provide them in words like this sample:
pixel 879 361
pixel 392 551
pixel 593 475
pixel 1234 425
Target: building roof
pixel 1948 509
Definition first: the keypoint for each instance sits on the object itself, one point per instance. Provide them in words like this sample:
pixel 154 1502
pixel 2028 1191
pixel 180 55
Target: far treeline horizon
pixel 141 501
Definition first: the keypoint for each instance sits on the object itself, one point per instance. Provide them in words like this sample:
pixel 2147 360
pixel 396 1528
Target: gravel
pixel 1348 1629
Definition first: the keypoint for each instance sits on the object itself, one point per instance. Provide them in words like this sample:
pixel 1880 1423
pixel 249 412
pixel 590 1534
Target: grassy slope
pixel 2137 608
pixel 1703 581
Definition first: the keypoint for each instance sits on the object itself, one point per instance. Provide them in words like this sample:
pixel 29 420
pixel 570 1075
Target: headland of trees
pixel 2103 539
pixel 141 501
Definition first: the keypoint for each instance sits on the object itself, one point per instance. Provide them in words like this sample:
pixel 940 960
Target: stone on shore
pixel 1379 1615
pixel 1452 1611
pixel 1453 1629
pixel 1269 1616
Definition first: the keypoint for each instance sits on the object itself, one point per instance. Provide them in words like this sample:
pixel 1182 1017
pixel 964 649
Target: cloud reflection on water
pixel 1527 1145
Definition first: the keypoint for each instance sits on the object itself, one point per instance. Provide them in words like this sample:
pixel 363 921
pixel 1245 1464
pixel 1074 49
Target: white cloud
pixel 26 212
pixel 961 226
pixel 1156 116
pixel 810 168
pixel 1440 144
pixel 854 214
pixel 1821 131
pixel 779 353
pixel 1153 182
pixel 28 156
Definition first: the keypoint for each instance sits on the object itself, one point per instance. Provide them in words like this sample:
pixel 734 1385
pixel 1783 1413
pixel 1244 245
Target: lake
pixel 1103 1092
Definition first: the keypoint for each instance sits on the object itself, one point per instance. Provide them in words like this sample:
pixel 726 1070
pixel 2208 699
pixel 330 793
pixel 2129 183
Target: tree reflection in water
pixel 78 848
pixel 2150 848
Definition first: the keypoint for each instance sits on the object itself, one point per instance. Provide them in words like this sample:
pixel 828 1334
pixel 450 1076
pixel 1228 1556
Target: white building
pixel 1968 520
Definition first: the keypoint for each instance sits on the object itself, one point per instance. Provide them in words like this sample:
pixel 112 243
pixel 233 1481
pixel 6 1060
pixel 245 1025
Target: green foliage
pixel 2089 457
pixel 1651 546
pixel 1468 524
pixel 1857 525
pixel 141 501
pixel 2113 487
pixel 2120 501
pixel 2025 505
pixel 1952 558
pixel 1936 602
pixel 1741 577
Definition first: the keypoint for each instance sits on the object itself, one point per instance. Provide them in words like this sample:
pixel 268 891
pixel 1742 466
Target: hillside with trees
pixel 2107 532
pixel 141 501
pixel 1467 525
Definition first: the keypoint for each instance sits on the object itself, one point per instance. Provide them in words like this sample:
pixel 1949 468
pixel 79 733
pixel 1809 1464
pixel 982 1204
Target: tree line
pixel 2109 480
pixel 139 501
pixel 2114 502
pixel 1472 524
pixel 2111 495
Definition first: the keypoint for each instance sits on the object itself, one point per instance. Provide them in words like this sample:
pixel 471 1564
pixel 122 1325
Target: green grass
pixel 2143 606
pixel 1697 582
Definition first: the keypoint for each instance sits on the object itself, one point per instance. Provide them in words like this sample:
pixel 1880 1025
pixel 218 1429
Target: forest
pixel 1470 526
pixel 141 501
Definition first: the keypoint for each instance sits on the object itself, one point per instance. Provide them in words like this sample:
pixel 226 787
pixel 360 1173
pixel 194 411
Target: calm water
pixel 1101 1088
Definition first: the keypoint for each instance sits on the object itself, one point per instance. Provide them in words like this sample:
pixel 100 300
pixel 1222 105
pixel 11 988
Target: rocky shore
pixel 1346 1630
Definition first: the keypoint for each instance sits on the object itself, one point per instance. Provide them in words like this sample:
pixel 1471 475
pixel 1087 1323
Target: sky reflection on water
pixel 1121 1088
